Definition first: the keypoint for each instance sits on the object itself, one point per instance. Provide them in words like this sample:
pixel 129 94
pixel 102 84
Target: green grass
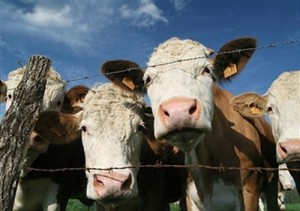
pixel 75 205
pixel 292 207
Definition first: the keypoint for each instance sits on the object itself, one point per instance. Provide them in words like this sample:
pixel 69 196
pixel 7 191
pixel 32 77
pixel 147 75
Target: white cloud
pixel 73 23
pixel 146 14
pixel 179 4
pixel 49 17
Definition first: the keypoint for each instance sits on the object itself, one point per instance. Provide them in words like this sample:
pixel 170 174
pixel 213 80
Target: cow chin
pixel 185 139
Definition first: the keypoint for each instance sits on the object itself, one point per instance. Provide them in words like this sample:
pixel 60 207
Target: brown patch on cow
pixel 118 70
pixel 236 52
pixel 73 98
pixel 62 128
pixel 249 105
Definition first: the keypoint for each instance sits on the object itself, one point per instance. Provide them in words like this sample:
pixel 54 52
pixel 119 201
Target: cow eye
pixel 147 80
pixel 9 96
pixel 207 71
pixel 269 110
pixel 142 128
pixel 58 103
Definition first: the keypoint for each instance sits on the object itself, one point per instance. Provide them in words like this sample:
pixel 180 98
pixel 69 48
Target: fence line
pixel 189 166
pixel 271 45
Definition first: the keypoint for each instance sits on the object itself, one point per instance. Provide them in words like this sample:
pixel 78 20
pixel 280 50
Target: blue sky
pixel 79 35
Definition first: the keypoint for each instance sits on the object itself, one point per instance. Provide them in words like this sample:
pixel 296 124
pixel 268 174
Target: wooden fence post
pixel 17 124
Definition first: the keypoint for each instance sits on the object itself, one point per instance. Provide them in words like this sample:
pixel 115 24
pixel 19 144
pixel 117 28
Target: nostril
pixel 126 185
pixel 283 148
pixel 193 109
pixel 166 113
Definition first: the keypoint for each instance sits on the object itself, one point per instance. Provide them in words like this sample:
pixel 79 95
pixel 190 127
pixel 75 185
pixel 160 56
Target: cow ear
pixel 58 128
pixel 233 57
pixel 249 105
pixel 74 98
pixel 3 90
pixel 126 74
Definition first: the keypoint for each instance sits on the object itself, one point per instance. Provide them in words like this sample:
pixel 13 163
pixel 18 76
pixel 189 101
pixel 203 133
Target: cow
pixel 192 113
pixel 54 90
pixel 40 189
pixel 116 128
pixel 278 103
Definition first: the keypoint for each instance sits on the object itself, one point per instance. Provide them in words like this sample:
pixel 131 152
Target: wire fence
pixel 271 45
pixel 158 165
pixel 188 166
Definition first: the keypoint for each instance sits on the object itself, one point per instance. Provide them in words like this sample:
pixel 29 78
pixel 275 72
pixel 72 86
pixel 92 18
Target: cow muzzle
pixel 112 187
pixel 179 113
pixel 288 150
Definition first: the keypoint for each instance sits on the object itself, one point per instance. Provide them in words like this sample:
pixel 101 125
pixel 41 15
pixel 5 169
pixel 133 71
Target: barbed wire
pixel 271 45
pixel 189 166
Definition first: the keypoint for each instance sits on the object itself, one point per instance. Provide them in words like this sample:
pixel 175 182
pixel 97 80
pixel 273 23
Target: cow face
pixel 53 95
pixel 111 136
pixel 279 103
pixel 179 82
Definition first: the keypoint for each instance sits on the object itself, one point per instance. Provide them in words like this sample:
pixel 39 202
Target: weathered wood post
pixel 17 124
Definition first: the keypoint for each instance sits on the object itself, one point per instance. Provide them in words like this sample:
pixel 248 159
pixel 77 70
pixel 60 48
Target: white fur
pixel 111 117
pixel 36 194
pixel 284 98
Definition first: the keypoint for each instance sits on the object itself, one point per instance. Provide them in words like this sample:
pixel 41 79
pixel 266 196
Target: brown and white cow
pixel 42 190
pixel 194 114
pixel 280 103
pixel 117 132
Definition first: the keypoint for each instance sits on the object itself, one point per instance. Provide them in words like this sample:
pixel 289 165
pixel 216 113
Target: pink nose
pixel 289 149
pixel 179 113
pixel 111 185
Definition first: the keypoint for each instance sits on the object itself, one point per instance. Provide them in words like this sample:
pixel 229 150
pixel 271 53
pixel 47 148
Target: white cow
pixel 41 191
pixel 54 91
pixel 117 132
pixel 281 104
pixel 193 113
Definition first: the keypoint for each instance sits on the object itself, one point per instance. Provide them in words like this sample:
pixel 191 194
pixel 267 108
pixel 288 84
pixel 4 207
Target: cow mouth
pixel 185 138
pixel 291 158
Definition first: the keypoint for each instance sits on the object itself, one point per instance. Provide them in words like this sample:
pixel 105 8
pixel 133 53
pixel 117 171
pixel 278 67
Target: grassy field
pixel 75 205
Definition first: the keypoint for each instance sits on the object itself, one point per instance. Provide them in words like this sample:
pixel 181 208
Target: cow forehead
pixel 107 102
pixel 109 94
pixel 169 54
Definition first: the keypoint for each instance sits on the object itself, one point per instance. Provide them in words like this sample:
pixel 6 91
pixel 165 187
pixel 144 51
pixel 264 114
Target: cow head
pixel 281 103
pixel 112 124
pixel 53 95
pixel 179 82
